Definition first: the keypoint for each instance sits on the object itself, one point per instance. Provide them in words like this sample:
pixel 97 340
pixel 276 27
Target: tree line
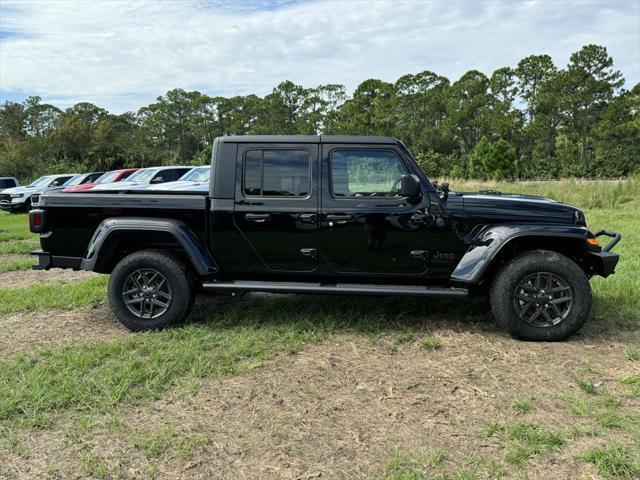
pixel 534 120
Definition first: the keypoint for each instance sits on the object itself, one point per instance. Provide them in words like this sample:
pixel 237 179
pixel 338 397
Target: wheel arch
pixel 117 237
pixel 495 246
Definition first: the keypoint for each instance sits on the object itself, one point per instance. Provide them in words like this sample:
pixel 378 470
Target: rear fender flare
pixel 490 241
pixel 196 252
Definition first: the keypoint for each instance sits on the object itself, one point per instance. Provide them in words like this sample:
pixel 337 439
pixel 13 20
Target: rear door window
pixel 277 173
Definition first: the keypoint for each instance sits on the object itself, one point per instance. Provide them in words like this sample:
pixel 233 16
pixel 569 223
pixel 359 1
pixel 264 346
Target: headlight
pixel 578 218
pixel 17 195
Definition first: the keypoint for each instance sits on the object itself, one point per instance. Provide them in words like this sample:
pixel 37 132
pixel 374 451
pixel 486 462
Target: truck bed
pixel 76 215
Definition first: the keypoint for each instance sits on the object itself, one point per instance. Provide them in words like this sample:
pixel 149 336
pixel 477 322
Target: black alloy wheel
pixel 543 299
pixel 147 293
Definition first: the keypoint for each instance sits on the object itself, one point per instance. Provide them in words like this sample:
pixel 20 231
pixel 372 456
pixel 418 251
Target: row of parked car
pixel 16 198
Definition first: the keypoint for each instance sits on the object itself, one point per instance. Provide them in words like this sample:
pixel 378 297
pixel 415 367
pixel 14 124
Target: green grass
pixel 525 440
pixel 605 195
pixel 168 443
pixel 431 343
pixel 587 386
pixel 615 461
pixel 19 247
pixel 632 381
pixel 606 411
pixel 98 376
pixel 53 296
pixel 14 227
pixel 632 350
pixel 15 237
pixel 14 265
pixel 523 406
pixel 435 457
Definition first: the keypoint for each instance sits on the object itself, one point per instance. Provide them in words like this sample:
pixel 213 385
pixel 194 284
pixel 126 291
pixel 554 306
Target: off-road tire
pixel 178 276
pixel 508 279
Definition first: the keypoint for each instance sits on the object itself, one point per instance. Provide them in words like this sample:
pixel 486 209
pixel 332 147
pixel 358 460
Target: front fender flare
pixel 491 240
pixel 196 252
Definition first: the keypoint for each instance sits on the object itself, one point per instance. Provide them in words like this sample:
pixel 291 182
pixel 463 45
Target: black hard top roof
pixel 306 139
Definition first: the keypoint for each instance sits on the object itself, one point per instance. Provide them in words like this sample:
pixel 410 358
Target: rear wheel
pixel 541 295
pixel 150 290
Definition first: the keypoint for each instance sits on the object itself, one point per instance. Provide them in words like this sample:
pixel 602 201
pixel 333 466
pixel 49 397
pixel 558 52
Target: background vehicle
pixel 18 199
pixel 82 179
pixel 8 182
pixel 195 180
pixel 329 215
pixel 109 177
pixel 77 179
pixel 146 177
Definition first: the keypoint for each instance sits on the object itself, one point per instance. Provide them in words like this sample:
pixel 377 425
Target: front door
pixel 276 204
pixel 366 228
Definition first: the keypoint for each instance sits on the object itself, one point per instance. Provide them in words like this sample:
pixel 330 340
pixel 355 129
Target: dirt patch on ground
pixel 26 278
pixel 339 409
pixel 27 332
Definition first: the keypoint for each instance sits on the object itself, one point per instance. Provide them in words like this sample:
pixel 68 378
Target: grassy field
pixel 319 387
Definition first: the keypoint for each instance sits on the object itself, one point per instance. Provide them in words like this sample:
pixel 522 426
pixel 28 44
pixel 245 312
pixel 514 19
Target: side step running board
pixel 333 288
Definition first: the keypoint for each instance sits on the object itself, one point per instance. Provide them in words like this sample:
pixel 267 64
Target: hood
pixel 80 188
pixel 497 205
pixel 23 189
pixel 124 185
pixel 181 185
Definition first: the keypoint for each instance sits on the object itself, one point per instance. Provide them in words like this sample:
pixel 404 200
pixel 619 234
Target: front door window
pixel 365 173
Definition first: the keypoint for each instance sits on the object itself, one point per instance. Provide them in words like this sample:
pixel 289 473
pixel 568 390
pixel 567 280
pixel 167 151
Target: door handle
pixel 257 217
pixel 307 217
pixel 421 254
pixel 309 252
pixel 339 218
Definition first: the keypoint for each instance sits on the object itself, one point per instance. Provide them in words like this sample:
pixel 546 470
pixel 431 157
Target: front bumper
pixel 47 261
pixel 12 206
pixel 604 262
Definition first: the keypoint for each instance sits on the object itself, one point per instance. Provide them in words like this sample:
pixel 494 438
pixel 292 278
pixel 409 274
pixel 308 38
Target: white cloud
pixel 123 54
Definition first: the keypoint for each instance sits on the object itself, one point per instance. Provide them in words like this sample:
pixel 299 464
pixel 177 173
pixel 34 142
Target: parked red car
pixel 109 177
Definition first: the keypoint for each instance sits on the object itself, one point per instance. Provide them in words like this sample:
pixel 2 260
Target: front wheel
pixel 541 296
pixel 150 290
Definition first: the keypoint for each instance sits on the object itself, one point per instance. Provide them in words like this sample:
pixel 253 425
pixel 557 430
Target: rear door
pixel 276 204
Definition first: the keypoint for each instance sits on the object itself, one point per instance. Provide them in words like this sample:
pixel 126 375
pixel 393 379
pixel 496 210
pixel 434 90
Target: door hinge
pixel 309 252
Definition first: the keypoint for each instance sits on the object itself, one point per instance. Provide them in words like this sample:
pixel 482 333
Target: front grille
pixel 5 198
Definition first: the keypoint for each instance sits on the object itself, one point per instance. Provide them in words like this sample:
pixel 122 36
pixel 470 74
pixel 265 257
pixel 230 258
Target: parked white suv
pixel 18 199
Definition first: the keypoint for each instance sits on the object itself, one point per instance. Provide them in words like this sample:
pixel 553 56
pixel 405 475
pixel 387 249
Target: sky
pixel 121 55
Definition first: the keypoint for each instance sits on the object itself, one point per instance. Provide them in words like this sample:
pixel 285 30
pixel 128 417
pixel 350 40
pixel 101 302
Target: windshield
pixel 142 176
pixel 108 177
pixel 42 181
pixel 75 180
pixel 200 174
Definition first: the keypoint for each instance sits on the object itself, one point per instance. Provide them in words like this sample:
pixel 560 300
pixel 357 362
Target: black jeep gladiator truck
pixel 327 215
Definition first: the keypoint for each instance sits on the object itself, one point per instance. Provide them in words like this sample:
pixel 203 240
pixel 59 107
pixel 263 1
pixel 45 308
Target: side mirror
pixel 158 180
pixel 409 187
